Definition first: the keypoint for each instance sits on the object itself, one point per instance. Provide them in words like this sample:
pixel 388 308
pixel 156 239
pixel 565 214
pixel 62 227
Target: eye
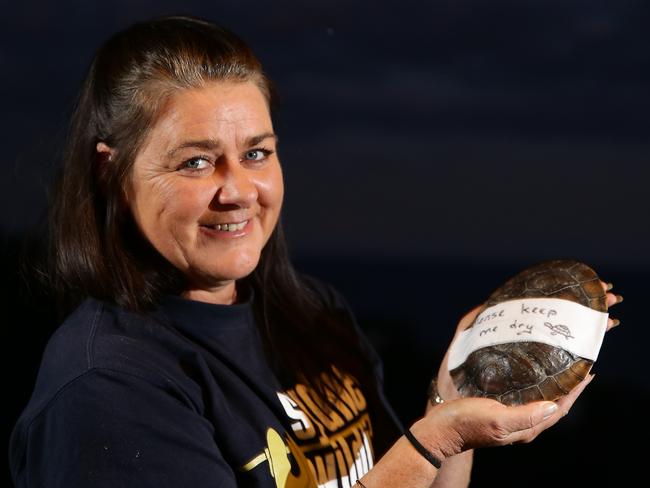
pixel 195 164
pixel 257 154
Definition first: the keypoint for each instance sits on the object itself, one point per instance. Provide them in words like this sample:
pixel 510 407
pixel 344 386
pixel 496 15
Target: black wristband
pixel 423 450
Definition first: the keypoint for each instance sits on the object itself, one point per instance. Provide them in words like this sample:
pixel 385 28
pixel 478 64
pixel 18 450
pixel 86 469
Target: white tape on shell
pixel 556 322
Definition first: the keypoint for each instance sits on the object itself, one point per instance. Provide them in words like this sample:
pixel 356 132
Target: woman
pixel 194 354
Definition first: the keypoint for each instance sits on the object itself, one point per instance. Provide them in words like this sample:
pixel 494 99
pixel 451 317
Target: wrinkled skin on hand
pixel 460 424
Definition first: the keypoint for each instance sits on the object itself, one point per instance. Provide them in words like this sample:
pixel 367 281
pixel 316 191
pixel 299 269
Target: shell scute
pixel 550 389
pixel 527 395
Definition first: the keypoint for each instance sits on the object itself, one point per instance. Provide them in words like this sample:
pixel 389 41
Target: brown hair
pixel 96 249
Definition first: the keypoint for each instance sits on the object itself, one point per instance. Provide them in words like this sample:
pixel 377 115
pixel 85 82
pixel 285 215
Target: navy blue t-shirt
pixel 184 397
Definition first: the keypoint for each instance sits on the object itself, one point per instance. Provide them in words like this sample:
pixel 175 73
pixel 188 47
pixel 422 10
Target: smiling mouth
pixel 229 227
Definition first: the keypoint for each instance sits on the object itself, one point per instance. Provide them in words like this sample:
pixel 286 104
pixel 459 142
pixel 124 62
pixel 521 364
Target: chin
pixel 238 268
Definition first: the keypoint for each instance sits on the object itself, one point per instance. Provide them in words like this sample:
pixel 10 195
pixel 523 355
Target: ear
pixel 104 152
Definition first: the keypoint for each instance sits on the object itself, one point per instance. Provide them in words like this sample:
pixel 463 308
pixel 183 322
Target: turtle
pixel 517 373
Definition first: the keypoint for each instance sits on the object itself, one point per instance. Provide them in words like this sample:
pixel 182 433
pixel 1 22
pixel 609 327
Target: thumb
pixel 526 421
pixel 542 411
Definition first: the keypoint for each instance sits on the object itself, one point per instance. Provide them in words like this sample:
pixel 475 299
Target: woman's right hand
pixel 467 423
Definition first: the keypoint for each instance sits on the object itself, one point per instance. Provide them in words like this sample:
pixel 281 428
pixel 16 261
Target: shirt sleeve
pixel 113 429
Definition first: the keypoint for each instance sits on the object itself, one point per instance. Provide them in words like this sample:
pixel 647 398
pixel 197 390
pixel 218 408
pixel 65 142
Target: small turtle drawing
pixel 560 329
pixel 521 372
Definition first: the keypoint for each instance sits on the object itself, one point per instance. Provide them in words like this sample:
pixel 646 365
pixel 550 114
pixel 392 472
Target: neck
pixel 220 295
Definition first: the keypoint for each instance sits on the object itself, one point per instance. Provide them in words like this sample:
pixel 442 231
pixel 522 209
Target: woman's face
pixel 206 187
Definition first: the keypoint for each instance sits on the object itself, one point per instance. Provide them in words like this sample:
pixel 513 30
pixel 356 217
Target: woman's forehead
pixel 215 111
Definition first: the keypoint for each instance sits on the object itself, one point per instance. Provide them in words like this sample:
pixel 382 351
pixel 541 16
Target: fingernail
pixel 615 322
pixel 609 286
pixel 619 298
pixel 549 410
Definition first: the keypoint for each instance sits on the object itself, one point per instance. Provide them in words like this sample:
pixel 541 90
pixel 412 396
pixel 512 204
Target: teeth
pixel 231 227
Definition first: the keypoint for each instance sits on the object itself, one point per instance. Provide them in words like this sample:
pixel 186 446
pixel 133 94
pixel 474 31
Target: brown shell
pixel 521 372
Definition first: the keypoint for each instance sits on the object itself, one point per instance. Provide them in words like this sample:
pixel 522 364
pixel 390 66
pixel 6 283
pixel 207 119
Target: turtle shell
pixel 520 372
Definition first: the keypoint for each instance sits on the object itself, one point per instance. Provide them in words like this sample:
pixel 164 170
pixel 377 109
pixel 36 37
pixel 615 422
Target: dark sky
pixel 461 129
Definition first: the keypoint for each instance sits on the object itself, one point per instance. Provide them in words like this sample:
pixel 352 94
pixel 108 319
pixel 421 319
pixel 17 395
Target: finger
pixel 613 299
pixel 446 387
pixel 564 404
pixel 611 323
pixel 469 317
pixel 606 286
pixel 528 420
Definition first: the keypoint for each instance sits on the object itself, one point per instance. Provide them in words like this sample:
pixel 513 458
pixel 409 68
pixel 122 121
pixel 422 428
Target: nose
pixel 236 185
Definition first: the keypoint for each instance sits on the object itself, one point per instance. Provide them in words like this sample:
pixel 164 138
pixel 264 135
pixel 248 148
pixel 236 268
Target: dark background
pixel 431 150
